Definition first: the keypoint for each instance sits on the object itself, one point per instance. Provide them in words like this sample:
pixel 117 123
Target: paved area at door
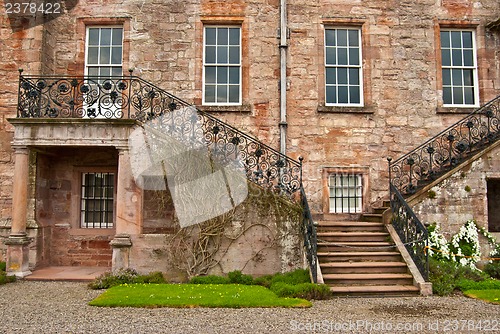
pixel 61 307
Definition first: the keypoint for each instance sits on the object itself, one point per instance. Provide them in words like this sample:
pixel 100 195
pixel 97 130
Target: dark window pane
pixel 445 39
pixel 331 96
pixel 210 74
pixel 234 55
pixel 222 73
pixel 105 36
pixel 105 71
pixel 331 76
pixel 331 58
pixel 93 54
pixel 222 93
pixel 446 77
pixel 354 94
pixel 210 54
pixel 93 71
pixel 353 38
pixel 341 37
pixel 116 55
pixel 467 39
pixel 353 56
pixel 222 53
pixel 105 56
pixel 234 36
pixel 447 95
pixel 468 58
pixel 210 93
pixel 234 75
pixel 234 93
pixel 210 36
pixel 117 36
pixel 116 71
pixel 456 57
pixel 342 54
pixel 446 57
pixel 468 78
pixel 456 39
pixel 330 37
pixel 469 95
pixel 458 95
pixel 353 76
pixel 222 36
pixel 457 77
pixel 343 94
pixel 342 76
pixel 94 36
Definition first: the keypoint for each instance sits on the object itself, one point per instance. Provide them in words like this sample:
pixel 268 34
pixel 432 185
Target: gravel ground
pixel 61 307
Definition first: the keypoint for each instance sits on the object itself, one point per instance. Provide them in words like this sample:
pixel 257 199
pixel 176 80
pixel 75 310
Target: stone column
pixel 128 212
pixel 17 243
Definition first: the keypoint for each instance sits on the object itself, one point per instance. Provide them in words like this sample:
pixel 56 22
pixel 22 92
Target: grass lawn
pixel 194 295
pixel 491 296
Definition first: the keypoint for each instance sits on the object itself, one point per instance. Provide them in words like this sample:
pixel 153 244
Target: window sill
pixel 245 108
pixel 92 231
pixel 455 110
pixel 345 110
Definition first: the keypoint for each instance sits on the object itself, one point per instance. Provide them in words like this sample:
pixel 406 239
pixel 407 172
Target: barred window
pixel 459 68
pixel 346 193
pixel 343 71
pixel 222 66
pixel 97 201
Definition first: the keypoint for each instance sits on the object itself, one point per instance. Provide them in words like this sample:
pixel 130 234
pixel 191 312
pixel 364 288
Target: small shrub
pixel 307 291
pixel 3 266
pixel 155 277
pixel 447 275
pixel 4 279
pixel 488 284
pixel 264 281
pixel 125 276
pixel 209 279
pixel 493 269
pixel 293 277
pixel 236 277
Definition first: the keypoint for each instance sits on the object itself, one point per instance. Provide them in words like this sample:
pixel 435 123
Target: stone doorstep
pixel 67 273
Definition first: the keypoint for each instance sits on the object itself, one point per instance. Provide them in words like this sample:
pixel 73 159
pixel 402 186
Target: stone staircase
pixel 358 258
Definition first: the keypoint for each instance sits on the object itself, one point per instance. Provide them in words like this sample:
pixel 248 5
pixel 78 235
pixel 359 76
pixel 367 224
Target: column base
pixel 18 255
pixel 121 245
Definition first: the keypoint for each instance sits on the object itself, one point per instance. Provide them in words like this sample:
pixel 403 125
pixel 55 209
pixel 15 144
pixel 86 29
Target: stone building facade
pixel 365 80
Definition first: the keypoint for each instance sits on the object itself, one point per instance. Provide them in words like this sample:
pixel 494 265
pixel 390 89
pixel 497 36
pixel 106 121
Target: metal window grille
pixel 346 193
pixel 459 68
pixel 97 204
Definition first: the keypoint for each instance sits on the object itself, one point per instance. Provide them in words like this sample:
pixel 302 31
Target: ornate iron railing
pixel 310 239
pixel 447 149
pixel 411 231
pixel 134 98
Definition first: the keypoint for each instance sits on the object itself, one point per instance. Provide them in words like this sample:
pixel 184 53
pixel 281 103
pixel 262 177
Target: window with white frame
pixel 346 193
pixel 459 68
pixel 222 65
pixel 343 70
pixel 104 51
pixel 97 200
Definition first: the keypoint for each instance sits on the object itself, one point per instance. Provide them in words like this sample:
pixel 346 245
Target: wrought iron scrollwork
pixel 447 149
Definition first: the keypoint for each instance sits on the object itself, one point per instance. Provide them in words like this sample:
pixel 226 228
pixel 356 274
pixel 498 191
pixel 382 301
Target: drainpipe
pixel 283 50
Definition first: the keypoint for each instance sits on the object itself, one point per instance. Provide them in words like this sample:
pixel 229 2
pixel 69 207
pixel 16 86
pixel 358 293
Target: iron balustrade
pixel 446 150
pixel 134 98
pixel 411 231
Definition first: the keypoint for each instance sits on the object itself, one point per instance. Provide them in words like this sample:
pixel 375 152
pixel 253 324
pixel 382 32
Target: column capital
pixel 21 149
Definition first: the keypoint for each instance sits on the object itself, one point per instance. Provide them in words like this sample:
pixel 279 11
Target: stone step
pixel 359 246
pixel 343 226
pixel 369 267
pixel 368 279
pixel 375 290
pixel 379 256
pixel 338 237
pixel 380 210
pixel 372 217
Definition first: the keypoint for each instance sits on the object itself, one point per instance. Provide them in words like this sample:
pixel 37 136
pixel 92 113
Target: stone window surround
pixel 81 31
pixel 226 20
pixel 75 222
pixel 464 25
pixel 361 24
pixel 363 171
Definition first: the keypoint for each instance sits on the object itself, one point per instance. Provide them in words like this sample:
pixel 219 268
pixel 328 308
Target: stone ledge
pixel 245 108
pixel 454 110
pixel 345 110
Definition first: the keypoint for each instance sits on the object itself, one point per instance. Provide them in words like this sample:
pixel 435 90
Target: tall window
pixel 343 71
pixel 104 51
pixel 97 201
pixel 458 58
pixel 346 193
pixel 222 66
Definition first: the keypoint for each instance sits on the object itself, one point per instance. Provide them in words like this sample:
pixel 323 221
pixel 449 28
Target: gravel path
pixel 61 307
